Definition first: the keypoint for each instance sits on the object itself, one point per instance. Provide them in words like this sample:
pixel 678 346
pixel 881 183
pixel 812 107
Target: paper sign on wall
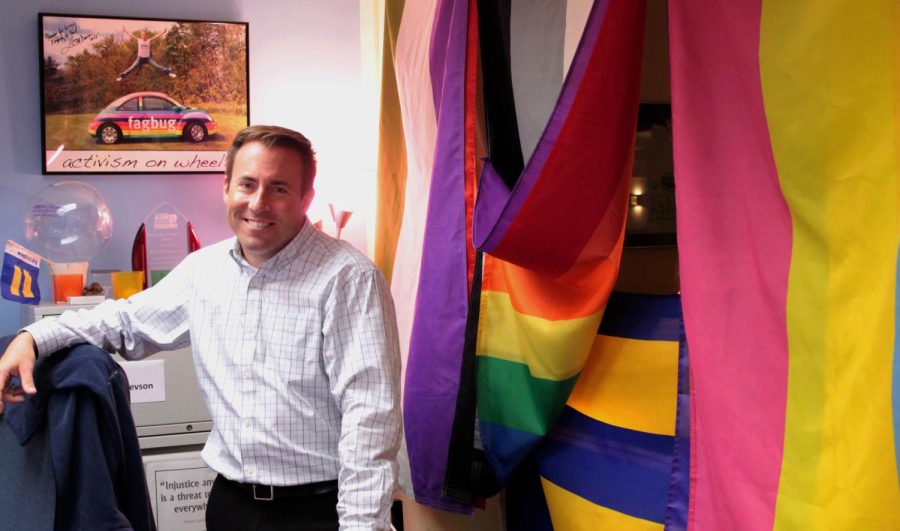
pixel 179 490
pixel 146 380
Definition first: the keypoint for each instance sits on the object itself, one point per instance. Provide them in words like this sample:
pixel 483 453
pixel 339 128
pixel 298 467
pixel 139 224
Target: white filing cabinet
pixel 181 419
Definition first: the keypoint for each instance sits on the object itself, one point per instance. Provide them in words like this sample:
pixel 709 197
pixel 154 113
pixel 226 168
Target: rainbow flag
pixel 551 228
pixel 553 241
pixel 787 165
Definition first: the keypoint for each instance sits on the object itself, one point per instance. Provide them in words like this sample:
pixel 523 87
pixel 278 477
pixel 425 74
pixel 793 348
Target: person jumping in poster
pixel 143 53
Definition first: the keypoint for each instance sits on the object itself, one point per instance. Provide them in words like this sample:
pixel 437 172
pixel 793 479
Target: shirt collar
pixel 284 256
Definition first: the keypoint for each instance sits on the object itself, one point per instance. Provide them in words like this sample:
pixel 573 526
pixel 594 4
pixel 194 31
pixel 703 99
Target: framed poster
pixel 651 206
pixel 129 95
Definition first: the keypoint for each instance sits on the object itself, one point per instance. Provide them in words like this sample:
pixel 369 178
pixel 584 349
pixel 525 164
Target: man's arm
pixel 362 359
pixel 152 320
pixel 145 323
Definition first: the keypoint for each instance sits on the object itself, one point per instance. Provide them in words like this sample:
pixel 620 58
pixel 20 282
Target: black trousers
pixel 232 508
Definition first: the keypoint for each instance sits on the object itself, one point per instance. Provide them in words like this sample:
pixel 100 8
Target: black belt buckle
pixel 259 496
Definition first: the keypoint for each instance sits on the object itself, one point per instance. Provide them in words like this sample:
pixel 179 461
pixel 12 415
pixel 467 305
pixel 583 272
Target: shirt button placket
pixel 248 356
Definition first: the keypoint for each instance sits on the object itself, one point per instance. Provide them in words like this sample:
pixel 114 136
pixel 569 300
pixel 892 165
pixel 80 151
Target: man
pixel 295 344
pixel 143 53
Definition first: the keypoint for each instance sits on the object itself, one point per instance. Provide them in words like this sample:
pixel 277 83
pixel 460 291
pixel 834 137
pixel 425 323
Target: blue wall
pixel 294 45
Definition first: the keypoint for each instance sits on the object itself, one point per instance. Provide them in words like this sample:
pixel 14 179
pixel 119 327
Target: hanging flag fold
pixel 787 170
pixel 551 230
pixel 553 242
pixel 619 455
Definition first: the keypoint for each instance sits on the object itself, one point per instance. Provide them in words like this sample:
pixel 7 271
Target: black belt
pixel 269 492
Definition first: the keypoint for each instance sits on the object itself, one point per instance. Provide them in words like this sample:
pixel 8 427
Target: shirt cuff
pixel 46 341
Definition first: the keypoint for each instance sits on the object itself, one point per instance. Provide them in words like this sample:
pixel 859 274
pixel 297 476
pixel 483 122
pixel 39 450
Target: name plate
pixel 146 380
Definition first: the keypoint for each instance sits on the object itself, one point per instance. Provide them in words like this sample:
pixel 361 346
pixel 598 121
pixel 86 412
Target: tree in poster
pixel 210 60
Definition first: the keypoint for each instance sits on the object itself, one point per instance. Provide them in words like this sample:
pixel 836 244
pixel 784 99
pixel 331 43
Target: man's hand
pixel 18 360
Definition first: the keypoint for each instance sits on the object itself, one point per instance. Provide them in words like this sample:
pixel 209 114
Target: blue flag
pixel 20 274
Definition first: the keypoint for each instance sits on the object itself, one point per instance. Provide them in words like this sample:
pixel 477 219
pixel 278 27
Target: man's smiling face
pixel 264 199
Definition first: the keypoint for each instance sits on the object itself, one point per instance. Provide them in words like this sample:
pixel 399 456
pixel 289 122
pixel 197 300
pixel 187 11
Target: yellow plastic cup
pixel 126 283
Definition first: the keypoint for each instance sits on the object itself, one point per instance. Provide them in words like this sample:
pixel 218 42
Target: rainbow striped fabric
pixel 553 242
pixel 619 456
pixel 551 228
pixel 787 164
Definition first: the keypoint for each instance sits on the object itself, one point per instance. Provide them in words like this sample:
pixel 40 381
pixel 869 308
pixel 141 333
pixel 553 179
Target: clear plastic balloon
pixel 68 221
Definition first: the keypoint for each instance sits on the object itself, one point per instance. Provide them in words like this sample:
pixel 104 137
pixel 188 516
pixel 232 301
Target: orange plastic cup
pixel 62 275
pixel 67 285
pixel 126 283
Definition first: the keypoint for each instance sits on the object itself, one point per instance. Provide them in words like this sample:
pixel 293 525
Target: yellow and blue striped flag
pixel 20 273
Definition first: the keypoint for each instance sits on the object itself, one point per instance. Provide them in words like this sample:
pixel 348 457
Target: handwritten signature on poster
pixel 70 36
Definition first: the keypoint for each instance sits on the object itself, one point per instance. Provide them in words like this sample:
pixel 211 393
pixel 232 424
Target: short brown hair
pixel 275 136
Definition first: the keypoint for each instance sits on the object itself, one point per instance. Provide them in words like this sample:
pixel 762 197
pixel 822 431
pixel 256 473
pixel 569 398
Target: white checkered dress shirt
pixel 298 361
